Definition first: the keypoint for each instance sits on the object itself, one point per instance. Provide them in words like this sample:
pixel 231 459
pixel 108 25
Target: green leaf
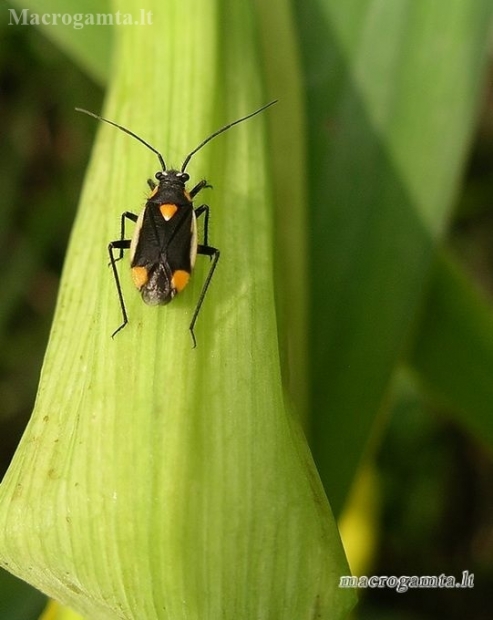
pixel 288 131
pixel 392 97
pixel 453 349
pixel 155 480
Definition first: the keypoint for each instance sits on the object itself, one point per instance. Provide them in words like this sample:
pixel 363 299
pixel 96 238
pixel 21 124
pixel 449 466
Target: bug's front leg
pixel 200 185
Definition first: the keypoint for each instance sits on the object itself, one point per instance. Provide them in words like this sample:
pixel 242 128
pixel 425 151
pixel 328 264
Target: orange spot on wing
pixel 168 210
pixel 180 279
pixel 139 276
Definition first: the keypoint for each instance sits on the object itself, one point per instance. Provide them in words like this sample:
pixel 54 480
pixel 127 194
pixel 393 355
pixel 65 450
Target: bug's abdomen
pixel 154 284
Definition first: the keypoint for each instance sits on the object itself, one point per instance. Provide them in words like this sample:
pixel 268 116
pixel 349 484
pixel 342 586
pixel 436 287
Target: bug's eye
pixel 184 176
pixel 159 175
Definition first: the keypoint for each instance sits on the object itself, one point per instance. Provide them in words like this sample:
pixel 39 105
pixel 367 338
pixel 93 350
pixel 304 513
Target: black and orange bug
pixel 165 244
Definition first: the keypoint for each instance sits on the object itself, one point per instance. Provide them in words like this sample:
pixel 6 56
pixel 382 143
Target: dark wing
pixel 165 241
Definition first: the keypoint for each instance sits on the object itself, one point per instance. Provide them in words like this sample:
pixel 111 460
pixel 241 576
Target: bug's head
pixel 172 177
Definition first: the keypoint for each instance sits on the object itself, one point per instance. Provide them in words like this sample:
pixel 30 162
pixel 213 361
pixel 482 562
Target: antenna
pixel 130 133
pixel 190 155
pixel 222 130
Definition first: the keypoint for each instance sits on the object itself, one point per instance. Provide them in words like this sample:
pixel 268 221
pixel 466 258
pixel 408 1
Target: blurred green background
pixel 426 488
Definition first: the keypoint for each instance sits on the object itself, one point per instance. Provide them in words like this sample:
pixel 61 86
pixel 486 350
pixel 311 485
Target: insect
pixel 164 244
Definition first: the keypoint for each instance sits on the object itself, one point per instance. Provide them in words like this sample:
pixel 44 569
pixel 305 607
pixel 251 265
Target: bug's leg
pixel 198 213
pixel 127 215
pixel 151 184
pixel 200 185
pixel 120 244
pixel 214 254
